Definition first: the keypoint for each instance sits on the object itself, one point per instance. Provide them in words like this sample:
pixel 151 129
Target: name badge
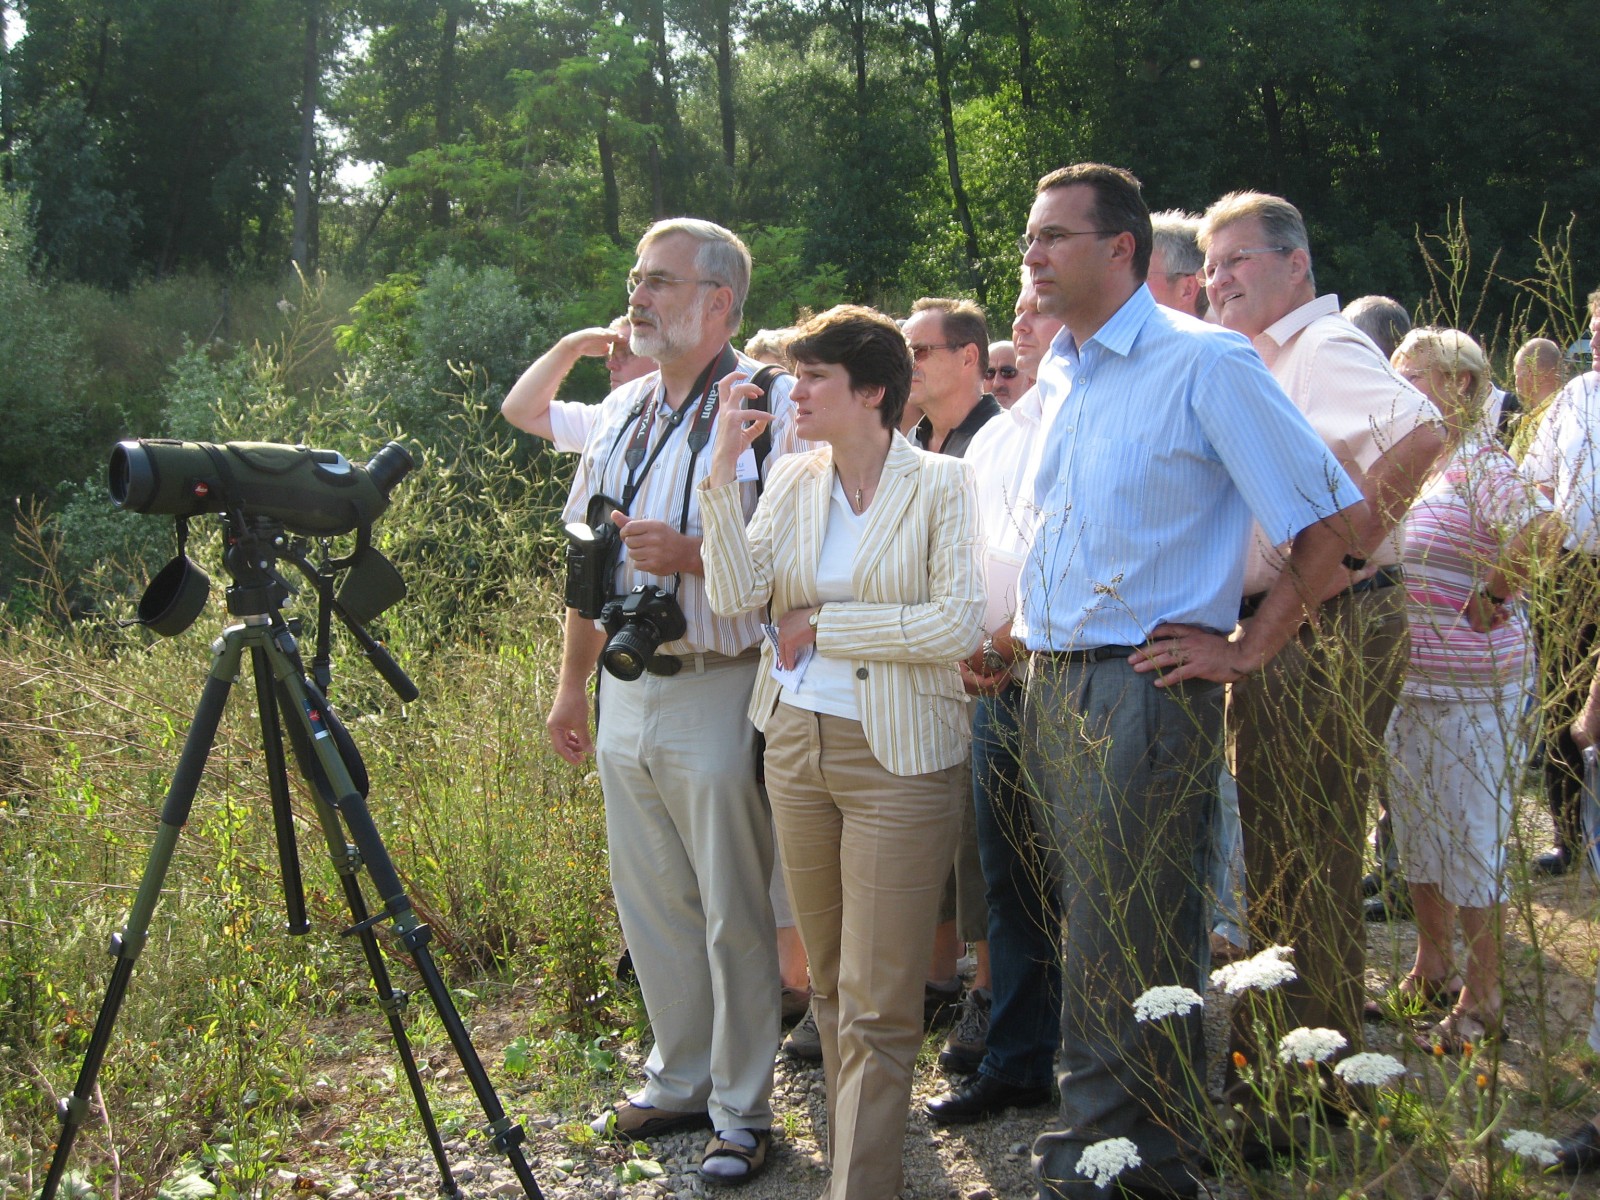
pixel 744 470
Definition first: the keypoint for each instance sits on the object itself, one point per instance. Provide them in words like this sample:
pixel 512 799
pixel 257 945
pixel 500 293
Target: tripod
pixel 330 763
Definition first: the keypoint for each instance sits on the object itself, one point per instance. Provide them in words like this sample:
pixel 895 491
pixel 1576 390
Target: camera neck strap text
pixel 702 411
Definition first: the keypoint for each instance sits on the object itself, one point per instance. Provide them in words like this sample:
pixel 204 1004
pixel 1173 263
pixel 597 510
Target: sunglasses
pixel 1003 372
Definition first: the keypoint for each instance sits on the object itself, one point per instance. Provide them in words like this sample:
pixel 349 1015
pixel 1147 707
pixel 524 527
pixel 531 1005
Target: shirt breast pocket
pixel 1114 482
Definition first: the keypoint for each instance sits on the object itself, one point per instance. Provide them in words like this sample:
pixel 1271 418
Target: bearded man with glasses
pixel 688 827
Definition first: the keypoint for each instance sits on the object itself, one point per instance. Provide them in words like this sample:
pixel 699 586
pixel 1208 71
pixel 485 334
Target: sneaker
pixel 804 1041
pixel 963 1049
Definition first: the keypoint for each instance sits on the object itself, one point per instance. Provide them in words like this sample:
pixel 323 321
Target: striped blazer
pixel 917 579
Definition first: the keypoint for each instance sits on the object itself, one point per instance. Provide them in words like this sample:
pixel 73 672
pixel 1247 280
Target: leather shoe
pixel 1580 1150
pixel 980 1096
pixel 1553 862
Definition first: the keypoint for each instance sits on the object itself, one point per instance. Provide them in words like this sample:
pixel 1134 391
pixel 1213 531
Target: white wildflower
pixel 1168 1001
pixel 1104 1161
pixel 1373 1069
pixel 1310 1045
pixel 1524 1143
pixel 1263 971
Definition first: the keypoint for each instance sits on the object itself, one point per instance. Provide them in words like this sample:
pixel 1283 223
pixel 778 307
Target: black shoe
pixel 1554 862
pixel 980 1096
pixel 1580 1150
pixel 1391 905
pixel 1372 883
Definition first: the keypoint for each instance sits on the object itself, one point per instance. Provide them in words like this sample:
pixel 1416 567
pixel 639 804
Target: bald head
pixel 1537 371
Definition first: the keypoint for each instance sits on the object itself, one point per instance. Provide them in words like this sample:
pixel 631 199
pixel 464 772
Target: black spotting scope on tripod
pixel 271 499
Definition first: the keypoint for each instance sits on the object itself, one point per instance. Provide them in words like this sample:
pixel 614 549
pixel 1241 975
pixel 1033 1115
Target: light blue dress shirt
pixel 1168 434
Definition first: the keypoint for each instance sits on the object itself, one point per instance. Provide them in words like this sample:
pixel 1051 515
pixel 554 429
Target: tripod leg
pixel 331 776
pixel 294 896
pixel 126 946
pixel 347 862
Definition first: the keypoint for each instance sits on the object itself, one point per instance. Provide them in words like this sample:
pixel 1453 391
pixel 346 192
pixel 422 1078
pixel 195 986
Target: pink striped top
pixel 1466 512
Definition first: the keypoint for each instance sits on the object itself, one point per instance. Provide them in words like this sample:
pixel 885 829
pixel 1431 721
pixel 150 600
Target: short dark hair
pixel 962 323
pixel 1119 205
pixel 868 345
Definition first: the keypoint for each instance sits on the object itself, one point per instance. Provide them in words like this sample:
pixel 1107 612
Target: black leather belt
pixel 1097 654
pixel 1385 577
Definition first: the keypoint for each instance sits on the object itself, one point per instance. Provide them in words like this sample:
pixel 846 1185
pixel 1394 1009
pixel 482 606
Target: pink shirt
pixel 1466 513
pixel 1353 398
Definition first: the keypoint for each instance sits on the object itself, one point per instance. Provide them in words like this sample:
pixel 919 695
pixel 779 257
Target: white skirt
pixel 1452 768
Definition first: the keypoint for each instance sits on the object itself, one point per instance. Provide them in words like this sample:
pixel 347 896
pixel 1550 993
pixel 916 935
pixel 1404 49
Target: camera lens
pixel 389 466
pixel 626 654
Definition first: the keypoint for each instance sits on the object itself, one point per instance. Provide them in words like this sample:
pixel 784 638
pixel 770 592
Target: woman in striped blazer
pixel 866 551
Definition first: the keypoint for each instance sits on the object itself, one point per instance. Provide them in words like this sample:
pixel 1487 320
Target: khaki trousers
pixel 1308 735
pixel 865 854
pixel 691 859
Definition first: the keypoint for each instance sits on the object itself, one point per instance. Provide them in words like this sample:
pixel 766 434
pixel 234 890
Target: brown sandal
pixel 753 1158
pixel 1459 1031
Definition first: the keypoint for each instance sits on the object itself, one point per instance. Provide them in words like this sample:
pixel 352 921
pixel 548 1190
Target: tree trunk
pixel 947 122
pixel 443 104
pixel 309 74
pixel 666 107
pixel 608 180
pixel 1272 116
pixel 725 81
pixel 858 40
pixel 1024 54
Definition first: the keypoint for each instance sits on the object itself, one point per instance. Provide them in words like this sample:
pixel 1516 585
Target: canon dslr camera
pixel 636 625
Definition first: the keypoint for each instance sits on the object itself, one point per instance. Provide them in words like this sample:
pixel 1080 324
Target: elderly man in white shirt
pixel 1562 459
pixel 1308 730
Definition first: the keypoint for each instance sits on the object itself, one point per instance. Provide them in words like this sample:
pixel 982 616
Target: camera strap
pixel 703 412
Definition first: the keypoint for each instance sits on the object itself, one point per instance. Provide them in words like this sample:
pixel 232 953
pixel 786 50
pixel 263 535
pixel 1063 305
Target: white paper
pixel 744 470
pixel 790 677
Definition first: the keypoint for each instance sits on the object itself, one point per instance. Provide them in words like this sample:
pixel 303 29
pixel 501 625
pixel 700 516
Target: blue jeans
pixel 1024 902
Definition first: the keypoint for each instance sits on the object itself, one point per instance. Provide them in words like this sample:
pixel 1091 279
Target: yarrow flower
pixel 1263 971
pixel 1310 1045
pixel 1104 1161
pixel 1167 1001
pixel 1524 1143
pixel 1373 1069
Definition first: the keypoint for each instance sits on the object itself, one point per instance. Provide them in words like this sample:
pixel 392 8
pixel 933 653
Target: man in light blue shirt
pixel 1165 437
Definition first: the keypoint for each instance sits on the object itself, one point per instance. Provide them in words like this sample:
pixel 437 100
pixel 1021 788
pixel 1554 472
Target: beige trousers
pixel 865 854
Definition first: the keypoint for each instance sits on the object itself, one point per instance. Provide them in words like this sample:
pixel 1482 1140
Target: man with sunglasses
pixel 949 341
pixel 1004 379
pixel 688 828
pixel 1308 731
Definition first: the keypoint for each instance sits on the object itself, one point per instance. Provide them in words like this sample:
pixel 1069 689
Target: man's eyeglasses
pixel 656 282
pixel 1232 263
pixel 1052 237
pixel 918 353
pixel 1003 372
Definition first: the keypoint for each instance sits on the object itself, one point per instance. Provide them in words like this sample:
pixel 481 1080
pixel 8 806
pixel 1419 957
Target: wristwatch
pixel 812 619
pixel 991 657
pixel 1485 594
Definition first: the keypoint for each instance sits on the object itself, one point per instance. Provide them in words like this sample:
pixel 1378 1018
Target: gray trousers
pixel 1127 775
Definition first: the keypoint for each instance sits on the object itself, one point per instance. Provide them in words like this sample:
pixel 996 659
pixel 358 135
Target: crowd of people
pixel 1088 650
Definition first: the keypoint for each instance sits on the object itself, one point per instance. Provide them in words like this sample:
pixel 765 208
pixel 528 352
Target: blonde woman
pixel 866 551
pixel 1455 739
